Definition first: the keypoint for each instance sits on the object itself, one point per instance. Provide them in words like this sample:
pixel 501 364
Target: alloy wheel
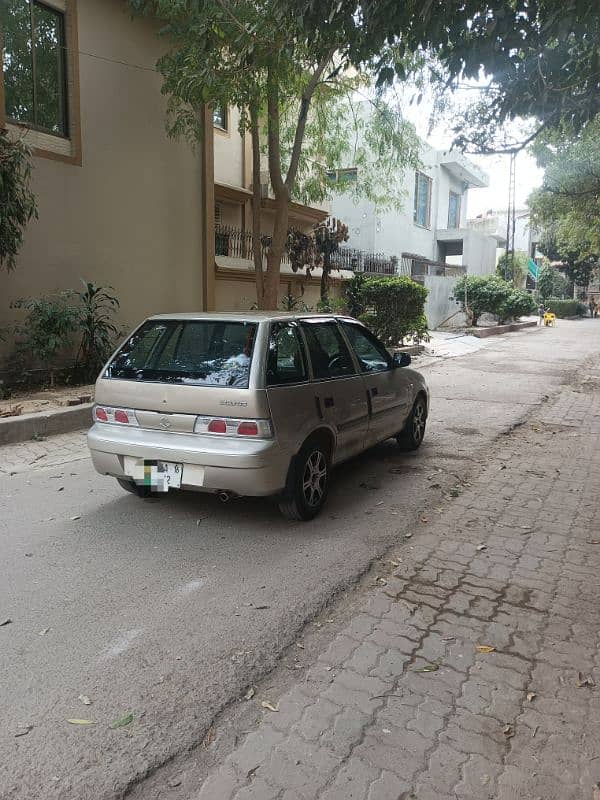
pixel 315 478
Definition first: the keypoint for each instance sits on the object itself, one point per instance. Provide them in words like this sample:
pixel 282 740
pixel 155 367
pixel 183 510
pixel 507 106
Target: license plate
pixel 162 475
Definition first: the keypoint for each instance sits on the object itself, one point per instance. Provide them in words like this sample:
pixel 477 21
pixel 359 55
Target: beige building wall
pixel 230 152
pixel 131 215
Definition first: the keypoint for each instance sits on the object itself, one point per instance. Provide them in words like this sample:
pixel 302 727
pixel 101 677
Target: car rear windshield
pixel 196 352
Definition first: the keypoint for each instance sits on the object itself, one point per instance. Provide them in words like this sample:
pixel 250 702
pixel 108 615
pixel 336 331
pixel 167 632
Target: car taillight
pixel 226 426
pixel 247 429
pixel 217 426
pixel 116 416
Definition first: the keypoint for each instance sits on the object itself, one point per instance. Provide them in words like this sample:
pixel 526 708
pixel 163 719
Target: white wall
pixel 439 308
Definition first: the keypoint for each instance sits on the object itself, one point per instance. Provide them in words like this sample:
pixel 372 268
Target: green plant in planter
pixel 98 330
pixel 48 329
pixel 518 304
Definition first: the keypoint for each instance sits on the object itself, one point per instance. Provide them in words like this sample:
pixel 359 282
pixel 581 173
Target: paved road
pixel 169 609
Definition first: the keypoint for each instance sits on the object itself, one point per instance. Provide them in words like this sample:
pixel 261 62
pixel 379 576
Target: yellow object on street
pixel 549 318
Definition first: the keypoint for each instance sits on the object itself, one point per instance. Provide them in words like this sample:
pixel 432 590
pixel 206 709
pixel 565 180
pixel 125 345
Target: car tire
pixel 134 488
pixel 412 435
pixel 308 482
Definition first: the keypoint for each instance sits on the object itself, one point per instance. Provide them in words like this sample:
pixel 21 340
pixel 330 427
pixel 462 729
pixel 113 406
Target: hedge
pixel 566 308
pixel 492 295
pixel 394 308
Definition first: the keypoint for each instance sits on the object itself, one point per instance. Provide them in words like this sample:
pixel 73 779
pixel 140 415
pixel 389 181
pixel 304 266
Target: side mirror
pixel 402 359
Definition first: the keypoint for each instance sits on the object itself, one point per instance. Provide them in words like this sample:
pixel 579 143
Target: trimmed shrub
pixel 485 294
pixel 392 307
pixel 518 304
pixel 566 308
pixel 492 295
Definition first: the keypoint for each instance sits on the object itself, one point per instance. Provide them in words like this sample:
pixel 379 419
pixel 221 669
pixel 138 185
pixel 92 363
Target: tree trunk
pixel 257 248
pixel 276 251
pixel 325 277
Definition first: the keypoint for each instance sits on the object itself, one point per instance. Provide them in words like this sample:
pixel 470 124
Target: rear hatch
pixel 172 371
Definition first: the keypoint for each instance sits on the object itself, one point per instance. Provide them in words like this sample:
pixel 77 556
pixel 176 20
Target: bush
pixel 566 308
pixel 485 294
pixel 57 325
pixel 518 304
pixel 48 330
pixel 392 307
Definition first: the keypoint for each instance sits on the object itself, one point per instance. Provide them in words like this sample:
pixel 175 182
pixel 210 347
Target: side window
pixel 329 355
pixel 371 353
pixel 285 358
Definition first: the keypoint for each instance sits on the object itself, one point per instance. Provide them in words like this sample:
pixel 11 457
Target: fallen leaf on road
pixel 482 547
pixel 427 668
pixel 81 722
pixel 251 772
pixel 301 646
pixel 395 563
pixel 6 621
pixel 44 631
pixel 485 648
pixel 407 535
pixel 174 782
pixel 209 738
pixel 424 520
pixel 23 731
pixel 531 696
pixel 381 581
pixel 585 680
pixel 85 699
pixel 121 723
pixel 380 503
pixel 250 693
pixel 593 541
pixel 508 731
pixel 448 638
pixel 269 706
pixel 260 608
pixel 368 485
pixel 596 792
pixel 76 517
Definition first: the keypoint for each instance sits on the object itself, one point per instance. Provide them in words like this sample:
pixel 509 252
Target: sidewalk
pixel 473 673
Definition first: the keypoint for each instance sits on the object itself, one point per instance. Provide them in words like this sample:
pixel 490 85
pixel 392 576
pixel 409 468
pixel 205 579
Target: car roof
pixel 247 316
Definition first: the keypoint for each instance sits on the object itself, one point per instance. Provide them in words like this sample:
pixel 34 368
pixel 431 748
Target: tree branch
pixel 273 134
pixel 305 101
pixel 256 234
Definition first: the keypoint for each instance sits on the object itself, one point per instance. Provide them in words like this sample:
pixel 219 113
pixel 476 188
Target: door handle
pixel 329 403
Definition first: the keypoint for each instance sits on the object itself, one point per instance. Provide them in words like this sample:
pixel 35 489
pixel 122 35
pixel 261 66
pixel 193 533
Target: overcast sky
pixel 494 197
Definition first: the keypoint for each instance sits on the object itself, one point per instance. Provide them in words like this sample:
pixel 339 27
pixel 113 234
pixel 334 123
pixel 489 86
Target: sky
pixel 494 197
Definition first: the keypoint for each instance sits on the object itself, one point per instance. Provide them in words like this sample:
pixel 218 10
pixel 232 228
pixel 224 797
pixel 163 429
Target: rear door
pixel 290 393
pixel 338 390
pixel 388 387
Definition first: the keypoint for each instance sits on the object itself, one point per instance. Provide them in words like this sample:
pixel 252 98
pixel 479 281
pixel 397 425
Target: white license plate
pixel 162 475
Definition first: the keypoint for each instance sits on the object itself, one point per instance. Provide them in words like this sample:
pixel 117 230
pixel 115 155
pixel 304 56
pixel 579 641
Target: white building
pixel 429 237
pixel 495 223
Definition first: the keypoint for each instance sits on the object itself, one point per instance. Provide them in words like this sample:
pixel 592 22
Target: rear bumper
pixel 210 463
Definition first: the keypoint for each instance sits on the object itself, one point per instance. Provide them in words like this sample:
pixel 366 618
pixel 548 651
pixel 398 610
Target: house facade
pixel 429 238
pixel 120 203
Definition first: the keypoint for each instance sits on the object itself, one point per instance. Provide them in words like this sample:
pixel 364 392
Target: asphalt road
pixel 168 609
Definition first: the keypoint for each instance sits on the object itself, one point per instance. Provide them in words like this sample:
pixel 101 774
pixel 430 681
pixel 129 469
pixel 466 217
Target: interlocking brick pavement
pixel 50 452
pixel 403 706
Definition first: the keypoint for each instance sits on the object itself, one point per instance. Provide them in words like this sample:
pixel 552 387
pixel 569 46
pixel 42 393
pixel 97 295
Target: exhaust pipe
pixel 224 497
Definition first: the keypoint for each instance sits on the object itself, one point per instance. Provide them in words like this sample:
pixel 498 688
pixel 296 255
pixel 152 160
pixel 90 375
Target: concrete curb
pixel 45 423
pixel 497 330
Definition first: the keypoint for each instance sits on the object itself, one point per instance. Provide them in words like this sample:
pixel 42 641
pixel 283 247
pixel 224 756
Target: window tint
pixel 285 359
pixel 329 355
pixel 371 353
pixel 34 65
pixel 200 352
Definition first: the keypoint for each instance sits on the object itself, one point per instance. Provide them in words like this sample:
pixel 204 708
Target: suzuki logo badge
pixel 164 423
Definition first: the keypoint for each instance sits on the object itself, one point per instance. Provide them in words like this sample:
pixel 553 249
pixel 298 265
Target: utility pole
pixel 511 220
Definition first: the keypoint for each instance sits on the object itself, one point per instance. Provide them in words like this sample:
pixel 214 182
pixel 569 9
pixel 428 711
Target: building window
pixel 220 117
pixel 347 175
pixel 34 66
pixel 422 211
pixel 454 210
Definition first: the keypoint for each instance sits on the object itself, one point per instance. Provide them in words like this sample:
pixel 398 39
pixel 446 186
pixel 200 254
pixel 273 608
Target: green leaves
pixel 17 201
pixel 493 295
pixel 392 307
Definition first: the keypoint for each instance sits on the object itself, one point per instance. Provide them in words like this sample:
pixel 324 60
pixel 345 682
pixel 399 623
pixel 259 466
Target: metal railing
pixel 233 242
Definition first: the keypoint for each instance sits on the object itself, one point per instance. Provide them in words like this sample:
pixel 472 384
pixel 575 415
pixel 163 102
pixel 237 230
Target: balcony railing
pixel 233 242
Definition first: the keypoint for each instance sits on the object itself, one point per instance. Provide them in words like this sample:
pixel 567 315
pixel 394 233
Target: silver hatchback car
pixel 250 404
